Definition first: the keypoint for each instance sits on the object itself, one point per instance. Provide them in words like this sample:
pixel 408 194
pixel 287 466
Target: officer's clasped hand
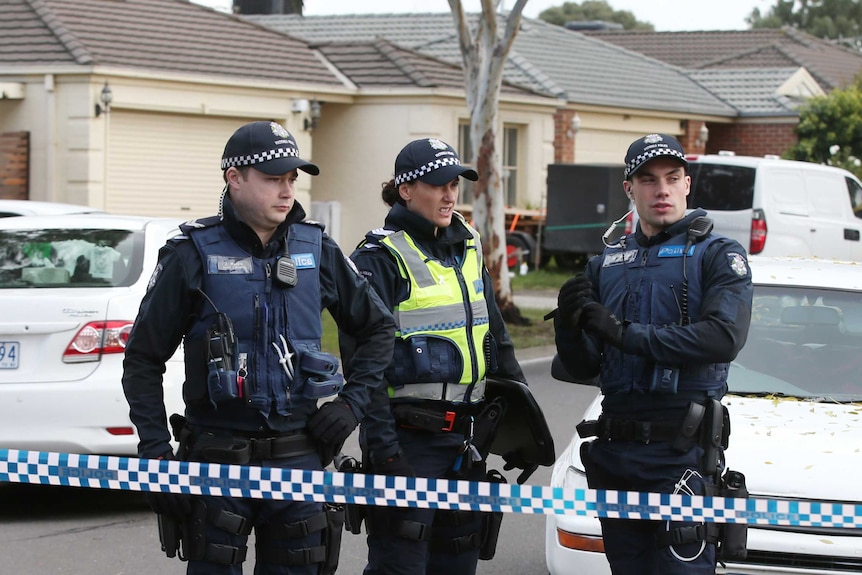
pixel 395 465
pixel 333 422
pixel 598 320
pixel 574 295
pixel 177 506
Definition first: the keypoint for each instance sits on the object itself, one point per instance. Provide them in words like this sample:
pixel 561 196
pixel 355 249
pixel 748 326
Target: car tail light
pixel 758 232
pixel 121 430
pixel 630 218
pixel 580 542
pixel 96 339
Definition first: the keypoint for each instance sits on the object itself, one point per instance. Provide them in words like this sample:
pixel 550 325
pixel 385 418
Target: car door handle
pixel 851 234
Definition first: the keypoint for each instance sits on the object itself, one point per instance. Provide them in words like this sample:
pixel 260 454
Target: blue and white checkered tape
pixel 130 474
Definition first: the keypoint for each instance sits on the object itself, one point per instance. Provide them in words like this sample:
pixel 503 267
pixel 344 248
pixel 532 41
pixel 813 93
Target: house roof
pixel 833 66
pixel 544 58
pixel 168 35
pixel 380 63
pixel 760 92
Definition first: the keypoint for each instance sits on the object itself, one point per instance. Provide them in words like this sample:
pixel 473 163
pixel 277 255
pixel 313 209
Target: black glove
pixel 177 506
pixel 333 422
pixel 574 295
pixel 598 320
pixel 395 465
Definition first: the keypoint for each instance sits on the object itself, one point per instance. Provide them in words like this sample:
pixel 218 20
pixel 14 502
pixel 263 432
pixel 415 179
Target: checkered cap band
pixel 645 157
pixel 259 157
pixel 426 169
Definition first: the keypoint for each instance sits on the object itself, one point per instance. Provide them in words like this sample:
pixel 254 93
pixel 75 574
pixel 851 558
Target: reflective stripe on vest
pixel 442 391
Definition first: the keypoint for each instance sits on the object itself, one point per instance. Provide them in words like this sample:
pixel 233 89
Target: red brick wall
pixel 751 139
pixel 564 139
pixel 15 165
pixel 690 140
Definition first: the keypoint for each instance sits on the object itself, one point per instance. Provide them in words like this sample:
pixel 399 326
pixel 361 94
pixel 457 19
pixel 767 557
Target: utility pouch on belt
pixel 491 523
pixel 353 513
pixel 170 534
pixel 332 536
pixel 319 375
pixel 688 429
pixel 733 538
pixel 714 438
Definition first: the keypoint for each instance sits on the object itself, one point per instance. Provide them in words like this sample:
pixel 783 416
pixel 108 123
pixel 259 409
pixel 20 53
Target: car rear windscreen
pixel 721 187
pixel 48 258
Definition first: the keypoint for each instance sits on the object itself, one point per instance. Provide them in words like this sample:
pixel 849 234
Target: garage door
pixel 166 165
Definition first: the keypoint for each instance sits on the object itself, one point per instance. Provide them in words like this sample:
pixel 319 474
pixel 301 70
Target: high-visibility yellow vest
pixel 445 303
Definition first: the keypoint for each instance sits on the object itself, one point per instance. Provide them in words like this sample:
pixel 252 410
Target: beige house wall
pixel 356 146
pixel 604 136
pixel 355 142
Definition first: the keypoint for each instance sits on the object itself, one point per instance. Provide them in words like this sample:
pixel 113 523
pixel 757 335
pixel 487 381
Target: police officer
pixel 658 316
pixel 243 291
pixel 427 266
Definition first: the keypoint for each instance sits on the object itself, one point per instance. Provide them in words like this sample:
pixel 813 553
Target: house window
pixel 510 165
pixel 465 152
pixel 509 175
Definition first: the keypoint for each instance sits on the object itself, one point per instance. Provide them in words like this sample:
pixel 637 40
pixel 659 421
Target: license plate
pixel 9 354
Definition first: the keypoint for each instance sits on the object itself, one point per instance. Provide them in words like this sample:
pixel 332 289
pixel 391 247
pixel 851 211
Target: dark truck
pixel 583 201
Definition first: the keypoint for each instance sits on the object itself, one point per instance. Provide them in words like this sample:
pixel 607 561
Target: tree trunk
pixel 484 55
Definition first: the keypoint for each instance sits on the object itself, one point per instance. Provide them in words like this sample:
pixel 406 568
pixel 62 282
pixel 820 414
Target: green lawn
pixel 549 278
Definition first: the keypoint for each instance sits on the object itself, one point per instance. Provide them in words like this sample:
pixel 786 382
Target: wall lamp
pixel 574 126
pixel 105 97
pixel 310 123
pixel 703 136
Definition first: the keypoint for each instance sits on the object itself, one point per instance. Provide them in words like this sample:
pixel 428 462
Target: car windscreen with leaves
pixel 721 187
pixel 802 342
pixel 47 258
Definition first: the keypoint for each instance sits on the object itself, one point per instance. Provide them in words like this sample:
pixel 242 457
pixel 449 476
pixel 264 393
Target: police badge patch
pixel 155 276
pixel 738 264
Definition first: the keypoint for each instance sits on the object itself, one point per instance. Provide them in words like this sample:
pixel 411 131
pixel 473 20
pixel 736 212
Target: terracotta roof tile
pixel 545 58
pixel 170 35
pixel 831 65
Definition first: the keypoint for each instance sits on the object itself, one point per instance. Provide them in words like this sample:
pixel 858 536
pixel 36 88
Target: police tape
pixel 197 478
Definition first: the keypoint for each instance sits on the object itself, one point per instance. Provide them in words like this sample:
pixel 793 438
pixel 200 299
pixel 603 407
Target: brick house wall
pixel 15 166
pixel 564 140
pixel 752 139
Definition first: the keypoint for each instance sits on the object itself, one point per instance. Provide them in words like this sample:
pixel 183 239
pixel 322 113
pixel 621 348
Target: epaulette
pixel 320 225
pixel 200 223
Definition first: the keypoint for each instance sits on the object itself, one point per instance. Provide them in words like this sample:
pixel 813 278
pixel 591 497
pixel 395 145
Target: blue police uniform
pixel 410 541
pixel 255 413
pixel 686 311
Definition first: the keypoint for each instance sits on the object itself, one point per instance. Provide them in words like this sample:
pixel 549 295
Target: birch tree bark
pixel 484 51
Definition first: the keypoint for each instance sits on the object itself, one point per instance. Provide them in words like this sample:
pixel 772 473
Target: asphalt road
pixel 51 530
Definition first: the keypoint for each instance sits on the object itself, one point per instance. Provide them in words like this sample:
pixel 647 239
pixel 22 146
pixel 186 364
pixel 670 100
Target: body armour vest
pixel 442 329
pixel 648 285
pixel 265 314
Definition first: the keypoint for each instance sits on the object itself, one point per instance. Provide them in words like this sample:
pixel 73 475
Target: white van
pixel 777 207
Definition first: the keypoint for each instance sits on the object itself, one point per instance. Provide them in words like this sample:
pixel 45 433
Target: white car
pixel 795 405
pixel 70 288
pixel 36 208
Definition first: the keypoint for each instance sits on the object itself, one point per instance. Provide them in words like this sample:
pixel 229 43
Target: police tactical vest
pixel 442 329
pixel 261 309
pixel 645 285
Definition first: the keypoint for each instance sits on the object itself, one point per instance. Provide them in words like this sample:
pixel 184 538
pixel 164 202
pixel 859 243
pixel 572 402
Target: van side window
pixel 855 196
pixel 720 187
